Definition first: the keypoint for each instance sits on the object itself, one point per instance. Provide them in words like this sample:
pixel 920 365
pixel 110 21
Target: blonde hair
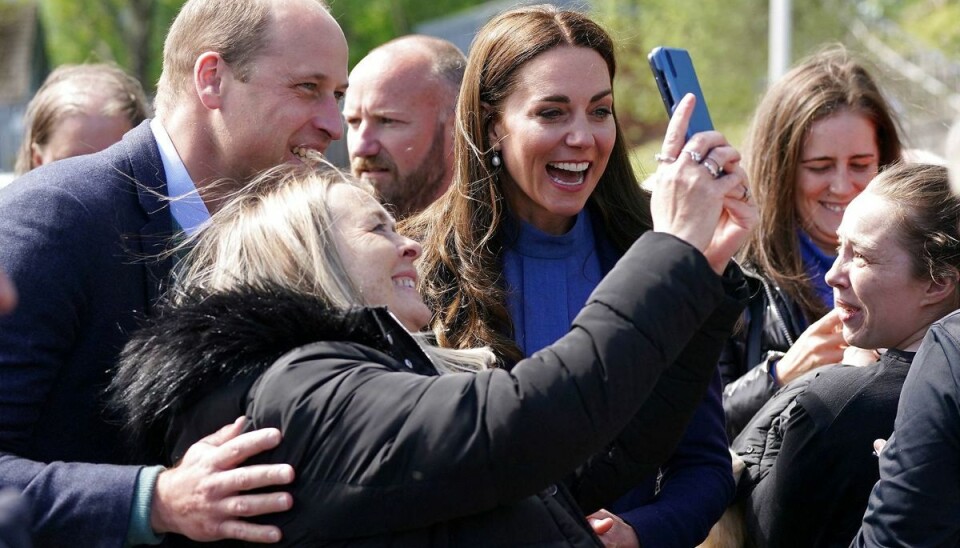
pixel 276 232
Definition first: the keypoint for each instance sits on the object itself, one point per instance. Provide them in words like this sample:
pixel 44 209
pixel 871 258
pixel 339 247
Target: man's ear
pixel 208 74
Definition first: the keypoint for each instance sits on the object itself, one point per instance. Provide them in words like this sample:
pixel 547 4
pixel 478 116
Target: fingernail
pixel 274 536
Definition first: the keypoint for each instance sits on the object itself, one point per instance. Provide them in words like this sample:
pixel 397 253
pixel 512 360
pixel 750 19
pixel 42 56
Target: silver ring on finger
pixel 664 158
pixel 712 166
pixel 694 155
pixel 746 194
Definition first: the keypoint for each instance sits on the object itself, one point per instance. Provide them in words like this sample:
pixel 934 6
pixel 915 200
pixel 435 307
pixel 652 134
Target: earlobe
pixel 208 76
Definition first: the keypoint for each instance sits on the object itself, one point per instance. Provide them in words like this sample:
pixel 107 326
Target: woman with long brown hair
pixel 543 202
pixel 819 135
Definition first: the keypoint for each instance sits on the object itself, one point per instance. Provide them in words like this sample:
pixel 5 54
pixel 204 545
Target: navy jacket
pixel 76 236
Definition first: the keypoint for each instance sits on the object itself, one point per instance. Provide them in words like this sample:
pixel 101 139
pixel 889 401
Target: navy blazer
pixel 79 238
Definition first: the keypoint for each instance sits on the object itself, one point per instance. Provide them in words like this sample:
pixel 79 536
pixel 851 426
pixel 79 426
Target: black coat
pixel 388 452
pixel 768 327
pixel 809 453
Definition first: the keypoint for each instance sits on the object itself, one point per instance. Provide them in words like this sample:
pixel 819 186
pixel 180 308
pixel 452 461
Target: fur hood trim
pixel 209 341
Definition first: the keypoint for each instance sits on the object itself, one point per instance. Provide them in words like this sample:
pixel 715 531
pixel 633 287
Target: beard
pixel 407 194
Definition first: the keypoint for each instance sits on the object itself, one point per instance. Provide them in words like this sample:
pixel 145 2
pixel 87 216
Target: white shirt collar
pixel 186 205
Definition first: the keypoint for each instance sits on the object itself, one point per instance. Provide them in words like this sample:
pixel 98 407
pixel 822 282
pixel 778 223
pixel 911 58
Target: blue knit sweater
pixel 548 280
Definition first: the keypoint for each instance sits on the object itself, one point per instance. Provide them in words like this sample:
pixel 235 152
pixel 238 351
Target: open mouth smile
pixel 570 174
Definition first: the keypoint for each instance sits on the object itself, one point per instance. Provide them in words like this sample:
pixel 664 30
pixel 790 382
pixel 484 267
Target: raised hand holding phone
pixel 700 192
pixel 675 77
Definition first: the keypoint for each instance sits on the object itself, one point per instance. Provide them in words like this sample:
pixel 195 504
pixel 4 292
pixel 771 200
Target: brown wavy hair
pixel 461 267
pixel 826 83
pixel 928 217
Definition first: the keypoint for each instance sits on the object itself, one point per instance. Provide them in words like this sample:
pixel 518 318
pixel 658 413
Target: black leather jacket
pixel 768 327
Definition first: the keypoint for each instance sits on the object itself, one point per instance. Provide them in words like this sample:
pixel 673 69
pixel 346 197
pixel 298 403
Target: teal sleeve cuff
pixel 139 530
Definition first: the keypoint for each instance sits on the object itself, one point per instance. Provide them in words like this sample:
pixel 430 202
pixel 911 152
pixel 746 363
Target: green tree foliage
pixel 131 32
pixel 369 23
pixel 728 43
pixel 933 22
pixel 128 32
pixel 728 39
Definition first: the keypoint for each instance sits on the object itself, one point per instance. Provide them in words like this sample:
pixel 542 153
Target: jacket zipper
pixel 776 311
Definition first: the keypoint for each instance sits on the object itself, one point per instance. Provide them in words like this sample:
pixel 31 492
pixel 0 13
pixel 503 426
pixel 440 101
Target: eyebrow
pixel 309 76
pixel 862 245
pixel 383 216
pixel 320 77
pixel 389 113
pixel 565 99
pixel 822 158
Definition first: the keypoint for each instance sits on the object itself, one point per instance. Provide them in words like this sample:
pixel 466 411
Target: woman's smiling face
pixel 378 260
pixel 839 157
pixel 555 133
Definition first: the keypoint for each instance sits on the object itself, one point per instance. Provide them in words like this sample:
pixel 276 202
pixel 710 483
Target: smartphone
pixel 673 71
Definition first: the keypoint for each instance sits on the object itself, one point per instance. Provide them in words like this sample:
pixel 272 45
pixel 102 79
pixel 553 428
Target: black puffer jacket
pixel 808 453
pixel 768 327
pixel 388 452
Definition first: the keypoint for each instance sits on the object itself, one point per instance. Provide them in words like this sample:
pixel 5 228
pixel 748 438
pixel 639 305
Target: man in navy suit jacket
pixel 8 294
pixel 80 239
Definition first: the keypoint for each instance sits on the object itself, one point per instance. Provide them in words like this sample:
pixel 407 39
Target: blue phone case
pixel 675 76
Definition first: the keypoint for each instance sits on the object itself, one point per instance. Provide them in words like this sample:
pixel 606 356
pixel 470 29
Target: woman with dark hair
pixel 809 451
pixel 297 307
pixel 543 202
pixel 917 500
pixel 820 134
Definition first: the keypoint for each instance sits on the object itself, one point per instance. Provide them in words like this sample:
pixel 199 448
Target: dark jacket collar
pixel 140 151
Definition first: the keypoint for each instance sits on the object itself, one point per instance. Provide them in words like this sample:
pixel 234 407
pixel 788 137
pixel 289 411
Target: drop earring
pixel 495 160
